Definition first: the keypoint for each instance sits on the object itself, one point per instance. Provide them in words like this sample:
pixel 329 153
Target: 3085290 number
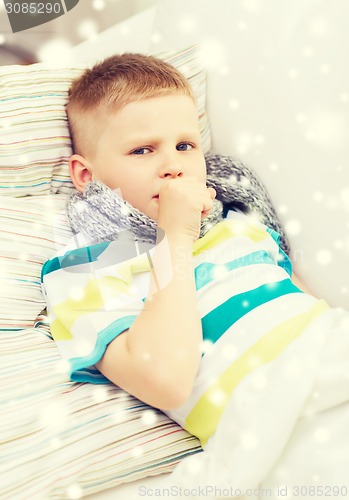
pixel 33 8
pixel 319 491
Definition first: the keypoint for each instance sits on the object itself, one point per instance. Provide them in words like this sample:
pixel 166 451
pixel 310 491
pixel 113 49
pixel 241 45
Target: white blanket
pixel 285 431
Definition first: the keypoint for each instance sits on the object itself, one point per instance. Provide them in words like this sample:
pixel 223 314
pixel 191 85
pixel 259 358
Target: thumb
pixel 212 192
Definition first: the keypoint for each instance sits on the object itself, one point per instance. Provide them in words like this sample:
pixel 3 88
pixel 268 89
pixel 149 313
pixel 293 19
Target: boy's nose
pixel 172 172
pixel 172 169
pixel 170 162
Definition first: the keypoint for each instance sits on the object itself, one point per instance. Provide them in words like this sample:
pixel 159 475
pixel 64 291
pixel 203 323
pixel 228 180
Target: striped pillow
pixel 111 436
pixel 32 229
pixel 35 140
pixel 68 440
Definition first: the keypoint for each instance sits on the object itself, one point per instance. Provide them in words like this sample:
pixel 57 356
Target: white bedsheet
pixel 285 427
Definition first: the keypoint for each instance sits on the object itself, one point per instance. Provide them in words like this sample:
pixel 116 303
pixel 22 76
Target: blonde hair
pixel 110 85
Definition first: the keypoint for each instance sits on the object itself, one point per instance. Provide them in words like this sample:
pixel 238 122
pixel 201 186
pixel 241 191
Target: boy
pixel 156 327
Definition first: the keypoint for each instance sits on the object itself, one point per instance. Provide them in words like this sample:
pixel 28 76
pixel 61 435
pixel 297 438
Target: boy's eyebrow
pixel 150 139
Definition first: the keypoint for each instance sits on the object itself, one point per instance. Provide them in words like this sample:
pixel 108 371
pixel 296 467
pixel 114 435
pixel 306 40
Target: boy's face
pixel 143 144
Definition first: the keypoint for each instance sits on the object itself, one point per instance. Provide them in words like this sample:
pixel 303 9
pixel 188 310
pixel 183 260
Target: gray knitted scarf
pixel 100 214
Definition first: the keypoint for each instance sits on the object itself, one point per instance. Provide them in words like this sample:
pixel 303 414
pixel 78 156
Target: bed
pixel 275 93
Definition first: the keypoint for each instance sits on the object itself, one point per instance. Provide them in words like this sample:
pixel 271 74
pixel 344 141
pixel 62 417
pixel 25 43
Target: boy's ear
pixel 80 171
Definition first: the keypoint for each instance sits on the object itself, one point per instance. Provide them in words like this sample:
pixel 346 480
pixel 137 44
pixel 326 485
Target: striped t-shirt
pixel 250 309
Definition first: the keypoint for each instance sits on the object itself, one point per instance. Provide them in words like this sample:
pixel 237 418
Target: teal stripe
pixel 218 321
pixel 19 186
pixel 274 234
pixel 205 272
pixel 82 255
pixel 9 329
pixel 283 259
pixel 83 376
pixel 27 96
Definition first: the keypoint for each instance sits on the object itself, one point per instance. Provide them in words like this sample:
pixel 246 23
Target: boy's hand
pixel 183 202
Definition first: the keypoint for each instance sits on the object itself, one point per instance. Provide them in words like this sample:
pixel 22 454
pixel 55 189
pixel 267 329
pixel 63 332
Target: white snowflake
pixel 100 394
pixel 193 465
pixel 327 129
pixel 324 256
pixel 230 351
pixel 87 29
pixel 74 491
pixel 293 227
pixel 252 6
pixel 259 139
pixel 318 27
pixel 57 50
pixel 321 435
pixel 187 24
pixel 54 416
pixel 308 51
pixel 243 142
pixel 301 117
pixel 249 440
pixel 234 104
pixel 259 381
pixel 293 73
pixel 98 4
pixel 242 26
pixel 156 37
pixel 274 167
pixel 282 209
pixel 55 443
pixel 206 346
pixel 76 293
pixel 325 69
pixel 218 397
pixel 149 417
pixel 212 53
pixel 344 197
pixel 220 272
pixel 318 196
pixel 137 451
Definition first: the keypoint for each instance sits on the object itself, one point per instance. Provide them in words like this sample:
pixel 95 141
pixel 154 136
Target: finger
pixel 207 207
pixel 205 213
pixel 212 192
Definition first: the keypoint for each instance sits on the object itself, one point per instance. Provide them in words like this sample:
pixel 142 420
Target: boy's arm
pixel 158 358
pixel 300 285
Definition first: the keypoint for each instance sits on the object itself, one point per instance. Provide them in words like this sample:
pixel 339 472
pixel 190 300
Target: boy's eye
pixel 139 151
pixel 181 148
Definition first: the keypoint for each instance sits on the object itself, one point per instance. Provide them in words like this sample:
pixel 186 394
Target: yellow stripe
pixel 226 230
pixel 136 265
pixel 96 293
pixel 59 331
pixel 204 417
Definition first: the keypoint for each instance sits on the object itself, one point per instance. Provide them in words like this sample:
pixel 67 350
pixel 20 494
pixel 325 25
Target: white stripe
pixel 238 339
pixel 236 282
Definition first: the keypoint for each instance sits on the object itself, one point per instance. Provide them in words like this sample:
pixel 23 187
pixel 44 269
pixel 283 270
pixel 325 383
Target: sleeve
pixel 90 302
pixel 283 259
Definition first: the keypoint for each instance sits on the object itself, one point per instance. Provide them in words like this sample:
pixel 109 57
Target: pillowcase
pixel 62 440
pixel 60 437
pixel 35 139
pixel 32 229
